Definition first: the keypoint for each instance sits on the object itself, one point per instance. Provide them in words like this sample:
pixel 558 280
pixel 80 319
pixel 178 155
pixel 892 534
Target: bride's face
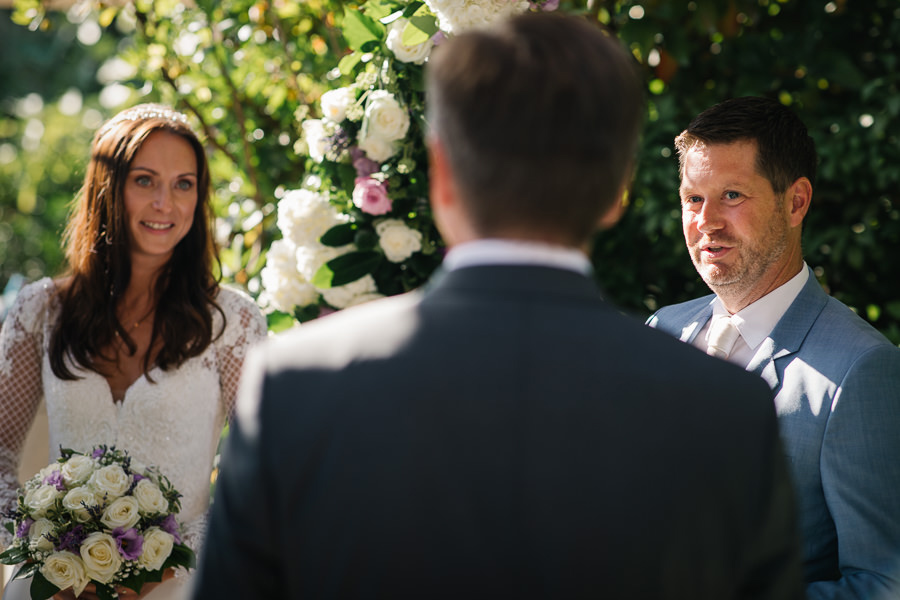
pixel 160 195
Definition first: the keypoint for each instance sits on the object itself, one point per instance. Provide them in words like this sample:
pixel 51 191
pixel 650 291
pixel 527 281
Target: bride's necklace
pixel 137 323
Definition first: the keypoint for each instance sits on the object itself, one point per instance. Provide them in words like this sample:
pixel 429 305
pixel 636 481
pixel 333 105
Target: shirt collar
pixel 758 320
pixel 516 252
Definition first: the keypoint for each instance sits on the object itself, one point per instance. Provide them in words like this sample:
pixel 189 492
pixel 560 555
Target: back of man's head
pixel 539 121
pixel 785 151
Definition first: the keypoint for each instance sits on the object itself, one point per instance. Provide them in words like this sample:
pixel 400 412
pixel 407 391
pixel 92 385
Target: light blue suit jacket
pixel 837 393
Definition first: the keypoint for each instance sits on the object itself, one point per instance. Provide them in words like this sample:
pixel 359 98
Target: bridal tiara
pixel 146 111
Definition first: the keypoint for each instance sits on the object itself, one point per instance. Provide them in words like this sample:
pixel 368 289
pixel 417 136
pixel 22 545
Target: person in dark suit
pixel 506 433
pixel 748 167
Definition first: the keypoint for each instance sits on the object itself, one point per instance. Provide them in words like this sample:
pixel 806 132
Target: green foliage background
pixel 248 71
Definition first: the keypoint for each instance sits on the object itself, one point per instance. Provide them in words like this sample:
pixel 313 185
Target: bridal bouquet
pixel 360 226
pixel 95 518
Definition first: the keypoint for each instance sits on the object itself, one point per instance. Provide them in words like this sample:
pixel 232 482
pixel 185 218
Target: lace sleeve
pixel 245 326
pixel 20 385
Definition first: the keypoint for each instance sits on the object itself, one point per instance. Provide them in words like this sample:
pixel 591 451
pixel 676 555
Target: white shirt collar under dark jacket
pixel 516 252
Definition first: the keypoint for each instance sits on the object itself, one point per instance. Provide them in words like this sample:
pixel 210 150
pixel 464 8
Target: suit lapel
pixel 789 333
pixel 696 323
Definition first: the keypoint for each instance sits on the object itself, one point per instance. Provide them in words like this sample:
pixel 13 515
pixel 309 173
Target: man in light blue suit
pixel 747 170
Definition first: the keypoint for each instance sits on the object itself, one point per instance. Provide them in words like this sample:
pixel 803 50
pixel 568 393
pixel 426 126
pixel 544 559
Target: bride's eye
pixel 143 180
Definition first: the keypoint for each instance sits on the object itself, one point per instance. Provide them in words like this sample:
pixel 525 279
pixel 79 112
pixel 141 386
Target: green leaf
pixel 13 555
pixel 411 9
pixel 105 592
pixel 10 528
pixel 277 321
pixel 419 30
pixel 349 62
pixel 345 269
pixel 360 30
pixel 27 570
pixel 41 589
pixel 339 235
pixel 181 556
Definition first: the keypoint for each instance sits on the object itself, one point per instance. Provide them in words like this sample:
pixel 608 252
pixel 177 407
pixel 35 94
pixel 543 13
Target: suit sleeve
pixel 860 466
pixel 239 559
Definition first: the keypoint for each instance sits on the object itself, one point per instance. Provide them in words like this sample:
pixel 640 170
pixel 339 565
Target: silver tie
pixel 722 336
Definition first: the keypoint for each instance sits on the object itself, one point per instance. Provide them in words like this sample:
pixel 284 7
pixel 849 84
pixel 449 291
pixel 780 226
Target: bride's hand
pixel 90 591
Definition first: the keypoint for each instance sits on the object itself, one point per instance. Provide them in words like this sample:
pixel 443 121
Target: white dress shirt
pixel 516 252
pixel 756 321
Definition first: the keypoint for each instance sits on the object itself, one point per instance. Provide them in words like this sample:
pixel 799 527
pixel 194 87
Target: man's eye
pixel 732 195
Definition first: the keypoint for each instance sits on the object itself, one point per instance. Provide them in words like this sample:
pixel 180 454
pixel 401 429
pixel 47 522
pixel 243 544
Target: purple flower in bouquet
pixel 55 479
pixel 24 527
pixel 370 196
pixel 71 540
pixel 170 526
pixel 98 452
pixel 129 542
pixel 364 165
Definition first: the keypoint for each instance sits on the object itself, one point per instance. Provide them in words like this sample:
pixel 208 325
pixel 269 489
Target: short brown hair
pixel 785 151
pixel 539 119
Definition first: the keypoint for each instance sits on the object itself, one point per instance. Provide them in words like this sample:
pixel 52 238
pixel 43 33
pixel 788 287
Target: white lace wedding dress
pixel 173 422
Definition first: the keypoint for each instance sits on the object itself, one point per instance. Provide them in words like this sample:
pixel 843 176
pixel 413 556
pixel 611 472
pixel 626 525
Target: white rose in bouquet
pixel 124 512
pixel 65 570
pixel 311 257
pixel 316 139
pixel 39 535
pixel 377 149
pixel 409 54
pixel 39 499
pixel 78 499
pixel 150 498
pixel 110 480
pixel 345 295
pixel 385 118
pixel 335 103
pixel 77 469
pixel 100 556
pixel 398 241
pixel 156 549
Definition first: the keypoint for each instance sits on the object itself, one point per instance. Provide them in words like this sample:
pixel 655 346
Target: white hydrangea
pixel 312 256
pixel 336 102
pixel 455 16
pixel 398 241
pixel 417 54
pixel 284 286
pixel 304 215
pixel 315 136
pixel 351 293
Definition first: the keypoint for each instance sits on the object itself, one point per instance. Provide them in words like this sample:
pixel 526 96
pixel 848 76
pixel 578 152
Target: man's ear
pixel 800 195
pixel 446 206
pixel 615 212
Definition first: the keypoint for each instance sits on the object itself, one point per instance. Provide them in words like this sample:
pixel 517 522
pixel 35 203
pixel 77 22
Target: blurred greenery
pixel 248 71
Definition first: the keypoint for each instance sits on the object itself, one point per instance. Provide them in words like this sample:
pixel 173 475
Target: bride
pixel 136 346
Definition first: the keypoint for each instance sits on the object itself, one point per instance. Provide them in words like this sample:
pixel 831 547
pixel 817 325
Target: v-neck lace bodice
pixel 173 421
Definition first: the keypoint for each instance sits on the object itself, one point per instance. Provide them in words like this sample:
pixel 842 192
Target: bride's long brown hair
pixel 99 264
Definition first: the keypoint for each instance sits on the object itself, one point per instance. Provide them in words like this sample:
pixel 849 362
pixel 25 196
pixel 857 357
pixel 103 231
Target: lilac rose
pixel 370 196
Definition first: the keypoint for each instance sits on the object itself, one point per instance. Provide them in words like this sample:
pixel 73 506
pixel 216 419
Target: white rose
pixel 39 535
pixel 397 240
pixel 150 498
pixel 65 570
pixel 78 499
pixel 39 499
pixel 335 103
pixel 156 549
pixel 110 480
pixel 77 469
pixel 315 136
pixel 311 257
pixel 385 118
pixel 345 295
pixel 409 54
pixel 376 148
pixel 124 512
pixel 100 556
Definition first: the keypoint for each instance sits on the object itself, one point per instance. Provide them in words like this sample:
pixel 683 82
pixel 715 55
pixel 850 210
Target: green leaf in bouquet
pixel 339 235
pixel 105 592
pixel 13 555
pixel 10 527
pixel 346 268
pixel 419 30
pixel 27 570
pixel 349 62
pixel 41 589
pixel 361 31
pixel 181 556
pixel 411 9
pixel 136 580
